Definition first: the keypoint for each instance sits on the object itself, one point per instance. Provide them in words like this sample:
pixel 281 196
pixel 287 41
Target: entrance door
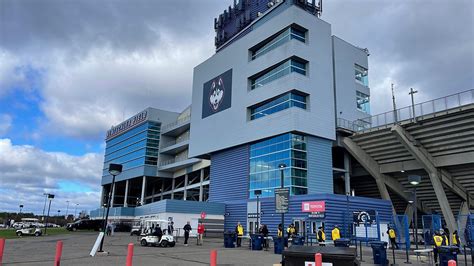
pixel 300 226
pixel 252 225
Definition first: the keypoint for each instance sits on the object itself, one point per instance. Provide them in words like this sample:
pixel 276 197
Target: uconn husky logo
pixel 217 94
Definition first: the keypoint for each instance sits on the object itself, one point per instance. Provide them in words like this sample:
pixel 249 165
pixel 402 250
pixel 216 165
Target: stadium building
pixel 281 95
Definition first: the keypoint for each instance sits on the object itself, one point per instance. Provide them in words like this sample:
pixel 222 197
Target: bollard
pixel 130 255
pixel 213 257
pixel 452 263
pixel 318 258
pixel 59 251
pixel 2 247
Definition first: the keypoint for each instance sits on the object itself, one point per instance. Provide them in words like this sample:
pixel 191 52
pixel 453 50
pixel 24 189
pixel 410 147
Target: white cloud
pixel 28 172
pixel 5 124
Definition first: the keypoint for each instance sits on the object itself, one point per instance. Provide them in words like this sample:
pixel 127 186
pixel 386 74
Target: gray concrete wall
pixel 346 56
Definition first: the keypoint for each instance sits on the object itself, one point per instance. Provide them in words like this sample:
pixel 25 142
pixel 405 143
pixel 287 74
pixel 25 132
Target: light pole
pixel 75 210
pixel 415 181
pixel 114 170
pixel 21 207
pixel 67 210
pixel 282 167
pixel 50 198
pixel 57 219
pixel 258 193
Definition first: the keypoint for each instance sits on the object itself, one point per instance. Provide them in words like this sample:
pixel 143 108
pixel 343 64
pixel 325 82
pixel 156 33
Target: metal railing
pixel 175 141
pixel 175 160
pixel 182 120
pixel 409 112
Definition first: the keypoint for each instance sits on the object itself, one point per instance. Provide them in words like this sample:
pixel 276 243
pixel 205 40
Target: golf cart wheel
pixel 171 244
pixel 74 229
pixel 164 243
pixel 143 243
pixel 37 234
pixel 19 233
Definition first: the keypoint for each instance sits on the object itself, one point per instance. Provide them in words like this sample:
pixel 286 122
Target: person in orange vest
pixel 438 242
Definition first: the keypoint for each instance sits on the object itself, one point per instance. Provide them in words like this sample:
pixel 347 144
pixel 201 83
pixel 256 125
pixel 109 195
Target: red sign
pixel 313 206
pixel 203 215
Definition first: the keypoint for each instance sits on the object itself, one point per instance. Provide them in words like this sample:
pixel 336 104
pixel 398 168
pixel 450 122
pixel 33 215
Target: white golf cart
pixel 31 231
pixel 148 238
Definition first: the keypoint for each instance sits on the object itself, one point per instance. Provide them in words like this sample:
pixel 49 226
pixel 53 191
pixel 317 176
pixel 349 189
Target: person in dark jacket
pixel 187 229
pixel 158 232
pixel 264 232
pixel 321 236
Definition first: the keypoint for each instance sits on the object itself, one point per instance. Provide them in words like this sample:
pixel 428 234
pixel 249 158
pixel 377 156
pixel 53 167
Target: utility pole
pixel 412 92
pixel 67 209
pixel 395 116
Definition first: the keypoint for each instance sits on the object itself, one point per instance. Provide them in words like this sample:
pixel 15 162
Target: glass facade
pixel 279 71
pixel 285 36
pixel 361 75
pixel 363 102
pixel 285 101
pixel 266 155
pixel 136 147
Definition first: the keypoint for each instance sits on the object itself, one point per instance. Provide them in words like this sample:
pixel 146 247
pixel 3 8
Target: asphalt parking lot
pixel 41 251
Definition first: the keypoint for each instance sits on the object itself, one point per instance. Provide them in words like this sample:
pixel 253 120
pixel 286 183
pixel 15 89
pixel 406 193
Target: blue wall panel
pixel 320 179
pixel 235 212
pixel 339 210
pixel 229 175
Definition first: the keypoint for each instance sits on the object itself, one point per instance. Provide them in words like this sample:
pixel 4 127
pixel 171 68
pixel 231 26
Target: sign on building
pixel 282 196
pixel 364 217
pixel 217 94
pixel 313 206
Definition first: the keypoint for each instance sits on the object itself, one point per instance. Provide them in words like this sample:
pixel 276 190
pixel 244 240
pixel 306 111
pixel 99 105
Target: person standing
pixel 239 230
pixel 170 228
pixel 456 241
pixel 264 232
pixel 321 236
pixel 445 238
pixel 437 242
pixel 200 232
pixel 280 231
pixel 187 229
pixel 335 233
pixel 291 231
pixel 393 237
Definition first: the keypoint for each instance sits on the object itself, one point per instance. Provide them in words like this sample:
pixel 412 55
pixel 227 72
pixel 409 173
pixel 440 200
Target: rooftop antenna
pixel 395 116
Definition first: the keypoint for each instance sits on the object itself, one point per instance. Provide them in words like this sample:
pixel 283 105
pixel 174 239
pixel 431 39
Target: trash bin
pixel 256 241
pixel 342 242
pixel 379 251
pixel 298 255
pixel 297 240
pixel 277 245
pixel 447 253
pixel 229 238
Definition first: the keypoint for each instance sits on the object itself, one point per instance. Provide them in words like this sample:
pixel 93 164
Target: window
pixel 285 101
pixel 363 102
pixel 280 70
pixel 291 33
pixel 361 75
pixel 265 157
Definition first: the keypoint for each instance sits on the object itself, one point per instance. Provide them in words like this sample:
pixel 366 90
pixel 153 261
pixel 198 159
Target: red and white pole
pixel 130 255
pixel 59 251
pixel 452 263
pixel 318 258
pixel 2 247
pixel 213 261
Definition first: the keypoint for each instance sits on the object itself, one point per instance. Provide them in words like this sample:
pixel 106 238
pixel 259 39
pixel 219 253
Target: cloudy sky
pixel 71 69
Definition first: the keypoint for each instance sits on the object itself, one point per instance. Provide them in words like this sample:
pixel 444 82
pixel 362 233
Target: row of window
pixel 291 33
pixel 280 70
pixel 267 155
pixel 285 101
pixel 363 102
pixel 361 75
